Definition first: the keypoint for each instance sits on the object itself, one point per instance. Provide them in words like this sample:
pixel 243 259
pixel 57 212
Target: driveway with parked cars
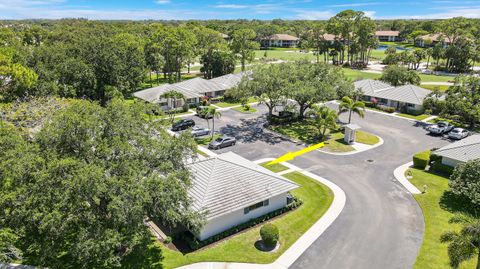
pixel 381 225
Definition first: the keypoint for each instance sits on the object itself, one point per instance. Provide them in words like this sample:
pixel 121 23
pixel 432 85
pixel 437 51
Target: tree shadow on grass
pixel 455 203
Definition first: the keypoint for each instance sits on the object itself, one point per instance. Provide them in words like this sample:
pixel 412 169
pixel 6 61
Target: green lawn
pixel 358 75
pixel 243 110
pixel 205 140
pixel 434 78
pixel 418 117
pixel 441 88
pixel 438 205
pixel 306 132
pixel 277 167
pixel 286 55
pixel 316 199
pixel 202 153
pixel 230 104
pixel 366 138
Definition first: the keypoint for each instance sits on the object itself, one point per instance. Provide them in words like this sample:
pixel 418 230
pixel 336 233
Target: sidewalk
pixel 302 244
pixel 399 174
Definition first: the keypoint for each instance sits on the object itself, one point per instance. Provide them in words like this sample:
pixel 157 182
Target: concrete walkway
pixel 292 253
pixel 399 174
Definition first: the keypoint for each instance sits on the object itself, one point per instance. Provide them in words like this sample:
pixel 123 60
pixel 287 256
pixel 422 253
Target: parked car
pixel 458 133
pixel 441 127
pixel 222 142
pixel 201 112
pixel 199 131
pixel 183 124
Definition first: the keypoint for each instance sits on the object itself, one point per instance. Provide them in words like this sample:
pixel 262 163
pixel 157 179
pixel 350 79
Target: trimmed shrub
pixel 269 234
pixel 420 160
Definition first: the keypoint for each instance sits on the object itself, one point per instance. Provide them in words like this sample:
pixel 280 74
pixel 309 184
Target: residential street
pixel 381 225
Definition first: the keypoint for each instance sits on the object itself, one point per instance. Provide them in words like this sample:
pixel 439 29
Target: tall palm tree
pixel 214 114
pixel 349 105
pixel 324 118
pixel 463 245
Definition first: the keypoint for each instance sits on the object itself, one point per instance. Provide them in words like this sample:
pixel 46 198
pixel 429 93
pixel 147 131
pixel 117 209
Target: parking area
pixel 381 225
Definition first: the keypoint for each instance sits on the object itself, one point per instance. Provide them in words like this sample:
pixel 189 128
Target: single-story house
pixel 461 151
pixel 232 190
pixel 431 40
pixel 280 40
pixel 407 97
pixel 193 90
pixel 388 36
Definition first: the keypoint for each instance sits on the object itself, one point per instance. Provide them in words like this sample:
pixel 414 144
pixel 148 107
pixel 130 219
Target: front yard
pixel 306 132
pixel 438 205
pixel 277 167
pixel 316 199
pixel 230 104
pixel 415 117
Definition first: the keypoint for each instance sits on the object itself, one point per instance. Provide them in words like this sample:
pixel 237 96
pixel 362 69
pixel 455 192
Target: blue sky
pixel 229 9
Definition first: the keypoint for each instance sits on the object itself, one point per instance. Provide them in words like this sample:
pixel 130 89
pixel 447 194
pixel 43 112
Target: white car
pixel 199 131
pixel 458 133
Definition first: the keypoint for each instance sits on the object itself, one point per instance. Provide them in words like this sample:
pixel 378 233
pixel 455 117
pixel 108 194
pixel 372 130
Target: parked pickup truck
pixel 440 128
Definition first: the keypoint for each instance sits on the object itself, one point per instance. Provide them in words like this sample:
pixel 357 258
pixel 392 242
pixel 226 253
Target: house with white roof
pixel 408 98
pixel 461 151
pixel 232 190
pixel 193 90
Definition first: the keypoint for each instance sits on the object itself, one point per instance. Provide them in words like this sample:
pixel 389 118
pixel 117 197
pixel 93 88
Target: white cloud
pixel 473 12
pixel 313 15
pixel 162 2
pixel 370 14
pixel 232 6
pixel 357 4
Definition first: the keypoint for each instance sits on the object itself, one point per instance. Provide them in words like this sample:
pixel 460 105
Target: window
pixel 246 210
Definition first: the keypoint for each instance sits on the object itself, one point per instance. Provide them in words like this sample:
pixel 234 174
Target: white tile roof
pixel 283 37
pixel 199 86
pixel 464 150
pixel 228 182
pixel 228 81
pixel 387 33
pixel 407 93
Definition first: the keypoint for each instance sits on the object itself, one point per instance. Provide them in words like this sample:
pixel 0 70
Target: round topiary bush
pixel 269 234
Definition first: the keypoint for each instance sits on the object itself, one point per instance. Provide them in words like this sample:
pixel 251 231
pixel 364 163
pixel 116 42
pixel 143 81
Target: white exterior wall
pixel 222 223
pixel 450 162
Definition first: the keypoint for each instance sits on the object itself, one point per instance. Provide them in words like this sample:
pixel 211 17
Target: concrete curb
pixel 301 245
pixel 399 174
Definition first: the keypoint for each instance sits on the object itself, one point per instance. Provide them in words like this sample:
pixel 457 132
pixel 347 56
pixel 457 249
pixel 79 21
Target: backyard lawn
pixel 230 104
pixel 316 199
pixel 441 88
pixel 358 75
pixel 417 117
pixel 438 205
pixel 286 55
pixel 277 167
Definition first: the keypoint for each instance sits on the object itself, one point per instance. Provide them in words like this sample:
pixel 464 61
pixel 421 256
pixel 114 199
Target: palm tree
pixel 463 245
pixel 324 118
pixel 349 105
pixel 214 114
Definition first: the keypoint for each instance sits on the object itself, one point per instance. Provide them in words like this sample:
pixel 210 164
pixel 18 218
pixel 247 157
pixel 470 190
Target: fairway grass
pixel 316 198
pixel 438 206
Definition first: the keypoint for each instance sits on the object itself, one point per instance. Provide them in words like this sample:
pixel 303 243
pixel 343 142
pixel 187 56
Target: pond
pixel 384 47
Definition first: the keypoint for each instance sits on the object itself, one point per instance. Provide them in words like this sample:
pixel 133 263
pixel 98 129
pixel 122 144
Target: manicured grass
pixel 286 55
pixel 359 75
pixel 205 140
pixel 441 88
pixel 438 205
pixel 277 167
pixel 418 117
pixel 243 110
pixel 316 199
pixel 202 153
pixel 230 104
pixel 434 78
pixel 306 132
pixel 366 138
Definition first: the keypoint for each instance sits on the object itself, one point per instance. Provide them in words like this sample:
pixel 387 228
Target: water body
pixel 384 47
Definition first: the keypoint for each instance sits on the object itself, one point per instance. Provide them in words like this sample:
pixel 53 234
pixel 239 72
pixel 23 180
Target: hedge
pixel 421 159
pixel 194 244
pixel 438 167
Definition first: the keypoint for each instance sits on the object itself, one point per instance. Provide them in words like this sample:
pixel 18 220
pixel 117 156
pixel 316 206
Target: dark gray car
pixel 222 142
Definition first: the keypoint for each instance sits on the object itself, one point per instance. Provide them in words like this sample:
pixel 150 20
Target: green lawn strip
pixel 202 153
pixel 441 88
pixel 438 206
pixel 366 138
pixel 316 198
pixel 243 110
pixel 418 117
pixel 205 140
pixel 277 167
pixel 358 75
pixel 286 55
pixel 435 78
pixel 226 104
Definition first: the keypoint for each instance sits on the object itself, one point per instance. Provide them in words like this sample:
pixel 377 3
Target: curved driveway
pixel 381 225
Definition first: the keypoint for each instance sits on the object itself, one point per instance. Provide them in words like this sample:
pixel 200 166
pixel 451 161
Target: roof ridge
pixel 205 193
pixel 457 146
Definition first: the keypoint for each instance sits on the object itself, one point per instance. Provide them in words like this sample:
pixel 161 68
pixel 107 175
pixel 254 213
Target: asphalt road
pixel 381 225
